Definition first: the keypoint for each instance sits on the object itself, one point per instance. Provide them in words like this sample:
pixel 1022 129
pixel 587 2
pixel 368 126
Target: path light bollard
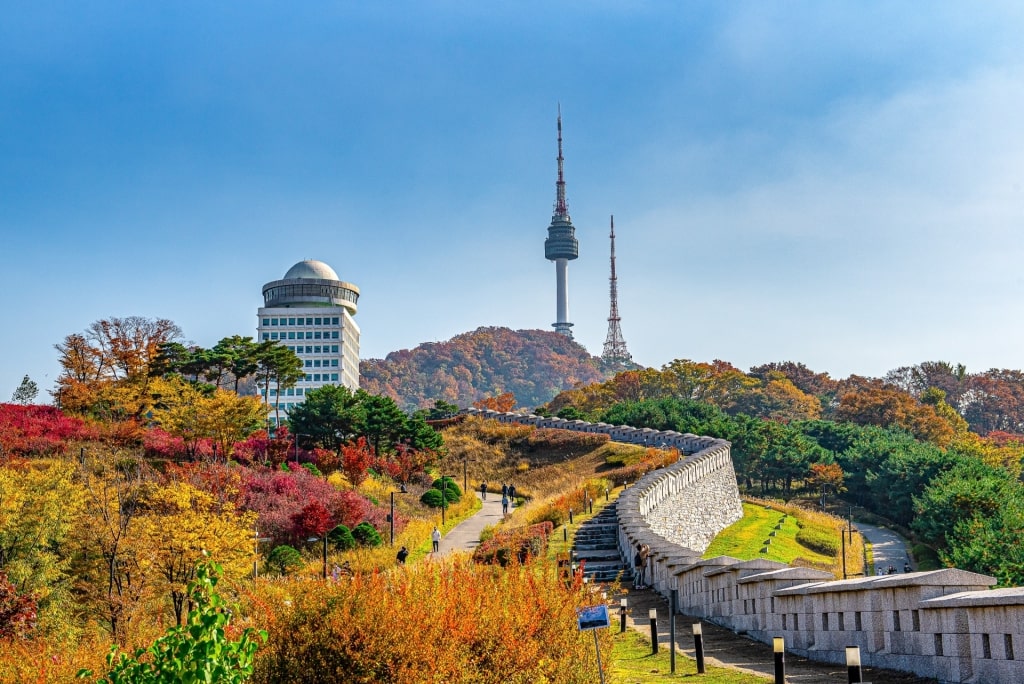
pixel 698 646
pixel 653 614
pixel 606 494
pixel 853 672
pixel 672 631
pixel 591 502
pixel 570 516
pixel 622 616
pixel 779 646
pixel 565 533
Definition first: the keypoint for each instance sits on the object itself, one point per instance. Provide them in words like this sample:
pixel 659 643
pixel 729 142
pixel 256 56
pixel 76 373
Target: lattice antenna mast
pixel 561 206
pixel 615 351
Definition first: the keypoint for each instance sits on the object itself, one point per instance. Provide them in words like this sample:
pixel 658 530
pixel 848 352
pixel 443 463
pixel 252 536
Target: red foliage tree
pixel 36 430
pixel 356 459
pixel 313 520
pixel 17 611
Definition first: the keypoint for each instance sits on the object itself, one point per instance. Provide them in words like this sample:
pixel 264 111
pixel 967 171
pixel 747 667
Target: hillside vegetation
pixel 534 365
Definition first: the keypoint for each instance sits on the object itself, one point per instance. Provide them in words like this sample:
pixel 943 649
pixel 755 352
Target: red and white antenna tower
pixel 615 351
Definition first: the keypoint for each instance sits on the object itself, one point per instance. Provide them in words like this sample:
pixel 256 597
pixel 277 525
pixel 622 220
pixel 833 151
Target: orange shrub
pixel 449 621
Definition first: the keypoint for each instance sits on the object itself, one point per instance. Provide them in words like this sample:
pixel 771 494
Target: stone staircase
pixel 595 544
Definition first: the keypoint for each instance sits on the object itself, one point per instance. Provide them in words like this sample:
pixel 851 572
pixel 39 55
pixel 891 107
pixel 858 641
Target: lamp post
pixel 391 517
pixel 465 474
pixel 326 534
pixel 444 498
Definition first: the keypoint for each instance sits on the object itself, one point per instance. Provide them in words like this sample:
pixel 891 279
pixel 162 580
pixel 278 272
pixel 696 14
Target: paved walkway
pixel 466 535
pixel 887 547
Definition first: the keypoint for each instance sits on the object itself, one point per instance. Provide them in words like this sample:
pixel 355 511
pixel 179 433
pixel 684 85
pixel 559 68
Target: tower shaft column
pixel 562 323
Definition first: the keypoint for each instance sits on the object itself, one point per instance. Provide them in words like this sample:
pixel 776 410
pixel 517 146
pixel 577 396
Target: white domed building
pixel 310 311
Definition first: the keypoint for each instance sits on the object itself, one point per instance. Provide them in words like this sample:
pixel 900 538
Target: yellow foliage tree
pixel 181 525
pixel 38 507
pixel 187 412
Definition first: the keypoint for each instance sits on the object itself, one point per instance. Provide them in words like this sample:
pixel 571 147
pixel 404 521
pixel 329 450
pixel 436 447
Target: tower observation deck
pixel 561 245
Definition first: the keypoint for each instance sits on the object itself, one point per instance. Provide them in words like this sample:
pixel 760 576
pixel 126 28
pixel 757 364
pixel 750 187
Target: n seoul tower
pixel 561 245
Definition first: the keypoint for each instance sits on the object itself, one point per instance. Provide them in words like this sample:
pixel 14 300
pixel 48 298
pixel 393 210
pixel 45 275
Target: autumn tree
pixel 106 368
pixel 220 416
pixel 38 509
pixel 111 565
pixel 179 526
pixel 502 403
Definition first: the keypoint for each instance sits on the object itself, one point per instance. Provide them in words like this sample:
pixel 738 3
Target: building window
pixel 316 377
pixel 334 363
pixel 291 334
pixel 309 350
pixel 316 335
pixel 334 321
pixel 266 321
pixel 266 336
pixel 316 350
pixel 273 321
pixel 334 349
pixel 309 377
pixel 308 364
pixel 273 335
pixel 317 321
pixel 316 363
pixel 334 377
pixel 299 391
pixel 291 321
pixel 334 335
pixel 291 391
pixel 309 321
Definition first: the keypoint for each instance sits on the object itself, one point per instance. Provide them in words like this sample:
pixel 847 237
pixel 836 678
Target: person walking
pixel 402 554
pixel 504 489
pixel 504 504
pixel 483 491
pixel 511 494
pixel 435 537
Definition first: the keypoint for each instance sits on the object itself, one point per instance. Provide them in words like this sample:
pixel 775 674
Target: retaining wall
pixel 946 624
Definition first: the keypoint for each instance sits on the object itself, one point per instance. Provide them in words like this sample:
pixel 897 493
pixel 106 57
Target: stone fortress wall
pixel 945 624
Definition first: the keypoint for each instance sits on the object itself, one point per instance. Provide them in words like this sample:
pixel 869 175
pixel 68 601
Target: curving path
pixel 466 535
pixel 887 547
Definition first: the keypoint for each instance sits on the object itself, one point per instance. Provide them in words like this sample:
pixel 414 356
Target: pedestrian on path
pixel 402 554
pixel 639 559
pixel 435 537
pixel 504 489
pixel 504 504
pixel 511 494
pixel 483 491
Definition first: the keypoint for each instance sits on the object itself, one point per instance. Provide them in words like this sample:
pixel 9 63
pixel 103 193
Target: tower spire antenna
pixel 614 352
pixel 561 245
pixel 561 206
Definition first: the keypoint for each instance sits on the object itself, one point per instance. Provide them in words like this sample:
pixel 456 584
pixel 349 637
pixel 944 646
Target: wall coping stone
pixel 1006 596
pixel 788 573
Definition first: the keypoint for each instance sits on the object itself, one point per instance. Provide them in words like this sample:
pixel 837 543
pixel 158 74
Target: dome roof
pixel 311 269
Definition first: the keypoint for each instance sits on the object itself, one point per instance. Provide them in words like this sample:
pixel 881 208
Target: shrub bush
pixel 367 535
pixel 817 539
pixel 432 497
pixel 449 484
pixel 342 539
pixel 284 559
pixel 519 545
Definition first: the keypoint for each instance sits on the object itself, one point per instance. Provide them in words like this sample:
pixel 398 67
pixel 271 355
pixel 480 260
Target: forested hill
pixel 534 365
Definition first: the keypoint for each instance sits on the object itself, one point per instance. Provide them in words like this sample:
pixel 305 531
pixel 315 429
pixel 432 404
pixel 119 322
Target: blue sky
pixel 839 183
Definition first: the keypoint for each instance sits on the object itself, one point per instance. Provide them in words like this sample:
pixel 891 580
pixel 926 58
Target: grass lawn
pixel 632 663
pixel 744 538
